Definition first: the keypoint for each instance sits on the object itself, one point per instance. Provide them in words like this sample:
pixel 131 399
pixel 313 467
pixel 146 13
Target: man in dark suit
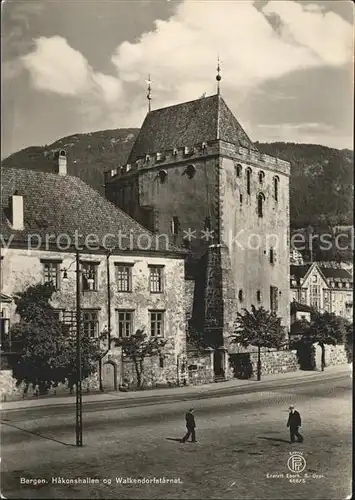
pixel 294 422
pixel 190 425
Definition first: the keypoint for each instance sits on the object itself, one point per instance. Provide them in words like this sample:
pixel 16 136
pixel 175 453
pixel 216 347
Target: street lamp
pixel 79 399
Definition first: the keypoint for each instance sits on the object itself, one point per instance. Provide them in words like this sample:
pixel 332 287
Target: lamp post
pixel 79 398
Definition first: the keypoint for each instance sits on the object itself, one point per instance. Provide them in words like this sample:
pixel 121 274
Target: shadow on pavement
pixel 37 434
pixel 174 439
pixel 274 439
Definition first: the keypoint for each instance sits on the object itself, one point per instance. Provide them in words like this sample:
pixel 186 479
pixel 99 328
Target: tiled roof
pixel 299 271
pixel 335 273
pixel 55 204
pixel 298 307
pixel 188 124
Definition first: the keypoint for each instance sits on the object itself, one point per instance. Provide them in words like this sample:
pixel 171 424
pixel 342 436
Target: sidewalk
pixel 158 394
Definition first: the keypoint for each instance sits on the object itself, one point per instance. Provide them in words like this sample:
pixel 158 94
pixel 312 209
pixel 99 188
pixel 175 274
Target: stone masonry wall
pixel 335 355
pixel 272 360
pixel 200 367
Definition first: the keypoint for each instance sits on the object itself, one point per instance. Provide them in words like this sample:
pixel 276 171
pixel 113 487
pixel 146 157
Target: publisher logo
pixel 296 463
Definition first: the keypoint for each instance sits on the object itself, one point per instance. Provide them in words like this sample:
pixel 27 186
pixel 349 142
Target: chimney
pixel 16 211
pixel 62 162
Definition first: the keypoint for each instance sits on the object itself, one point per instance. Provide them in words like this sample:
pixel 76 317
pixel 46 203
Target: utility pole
pixel 79 399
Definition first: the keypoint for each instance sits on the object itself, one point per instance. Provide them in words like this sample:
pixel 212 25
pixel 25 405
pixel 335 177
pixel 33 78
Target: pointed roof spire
pixel 218 77
pixel 149 93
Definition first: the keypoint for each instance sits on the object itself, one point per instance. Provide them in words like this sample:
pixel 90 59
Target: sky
pixel 77 66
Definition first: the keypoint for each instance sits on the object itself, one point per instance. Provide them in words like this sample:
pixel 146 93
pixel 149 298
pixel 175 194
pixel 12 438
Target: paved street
pixel 242 448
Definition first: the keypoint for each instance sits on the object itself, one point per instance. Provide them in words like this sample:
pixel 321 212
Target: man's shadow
pixel 274 439
pixel 174 439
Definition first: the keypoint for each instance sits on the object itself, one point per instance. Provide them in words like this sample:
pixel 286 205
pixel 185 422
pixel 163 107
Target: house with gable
pixel 129 278
pixel 325 288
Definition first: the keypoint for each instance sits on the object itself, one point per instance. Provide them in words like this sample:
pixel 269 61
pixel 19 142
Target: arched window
pixel 240 295
pixel 238 170
pixel 276 188
pixel 162 176
pixel 261 176
pixel 272 256
pixel 248 180
pixel 241 198
pixel 261 199
pixel 62 153
pixel 258 296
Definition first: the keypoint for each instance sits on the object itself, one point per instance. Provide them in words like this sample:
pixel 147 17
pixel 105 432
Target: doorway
pixel 109 376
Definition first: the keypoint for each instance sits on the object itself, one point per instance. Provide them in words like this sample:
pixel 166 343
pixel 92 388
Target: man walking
pixel 190 425
pixel 294 422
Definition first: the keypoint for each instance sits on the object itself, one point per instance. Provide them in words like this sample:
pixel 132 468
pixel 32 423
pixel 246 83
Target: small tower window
pixel 276 188
pixel 258 296
pixel 238 170
pixel 241 198
pixel 261 199
pixel 261 177
pixel 175 225
pixel 163 174
pixel 272 256
pixel 240 295
pixel 62 152
pixel 190 171
pixel 248 180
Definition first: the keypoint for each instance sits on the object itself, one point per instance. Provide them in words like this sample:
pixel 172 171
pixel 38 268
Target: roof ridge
pixel 182 103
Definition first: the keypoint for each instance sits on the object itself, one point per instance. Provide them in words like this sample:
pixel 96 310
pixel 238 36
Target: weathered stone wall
pixel 200 367
pixel 249 237
pixel 9 391
pixel 154 375
pixel 335 355
pixel 272 361
pixel 21 268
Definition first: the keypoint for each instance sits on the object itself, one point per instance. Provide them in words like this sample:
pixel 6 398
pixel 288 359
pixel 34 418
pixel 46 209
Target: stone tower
pixel 194 171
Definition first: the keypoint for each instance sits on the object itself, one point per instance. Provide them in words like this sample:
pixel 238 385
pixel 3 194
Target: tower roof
pixel 187 124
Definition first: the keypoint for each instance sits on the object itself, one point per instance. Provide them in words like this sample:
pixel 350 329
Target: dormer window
pixel 188 151
pixel 175 152
pixel 128 167
pixel 147 158
pixel 261 177
pixel 293 282
pixel 204 146
pixel 113 172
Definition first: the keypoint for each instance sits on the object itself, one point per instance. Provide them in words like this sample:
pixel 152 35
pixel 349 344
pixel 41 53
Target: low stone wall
pixel 335 355
pixel 272 361
pixel 200 367
pixel 9 391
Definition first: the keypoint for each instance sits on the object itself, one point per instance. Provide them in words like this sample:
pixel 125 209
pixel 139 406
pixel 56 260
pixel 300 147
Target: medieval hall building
pixel 193 174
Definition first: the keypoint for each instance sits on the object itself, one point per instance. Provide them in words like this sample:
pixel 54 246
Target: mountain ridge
pixel 321 187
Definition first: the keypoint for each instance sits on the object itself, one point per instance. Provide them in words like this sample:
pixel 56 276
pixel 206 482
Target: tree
pixel 259 328
pixel 45 348
pixel 326 328
pixel 139 346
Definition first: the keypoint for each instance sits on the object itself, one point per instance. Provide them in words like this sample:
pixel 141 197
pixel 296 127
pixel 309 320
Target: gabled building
pixel 194 174
pixel 324 288
pixel 129 278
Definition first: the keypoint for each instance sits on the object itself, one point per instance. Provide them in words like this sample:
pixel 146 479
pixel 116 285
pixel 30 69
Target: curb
pixel 197 394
